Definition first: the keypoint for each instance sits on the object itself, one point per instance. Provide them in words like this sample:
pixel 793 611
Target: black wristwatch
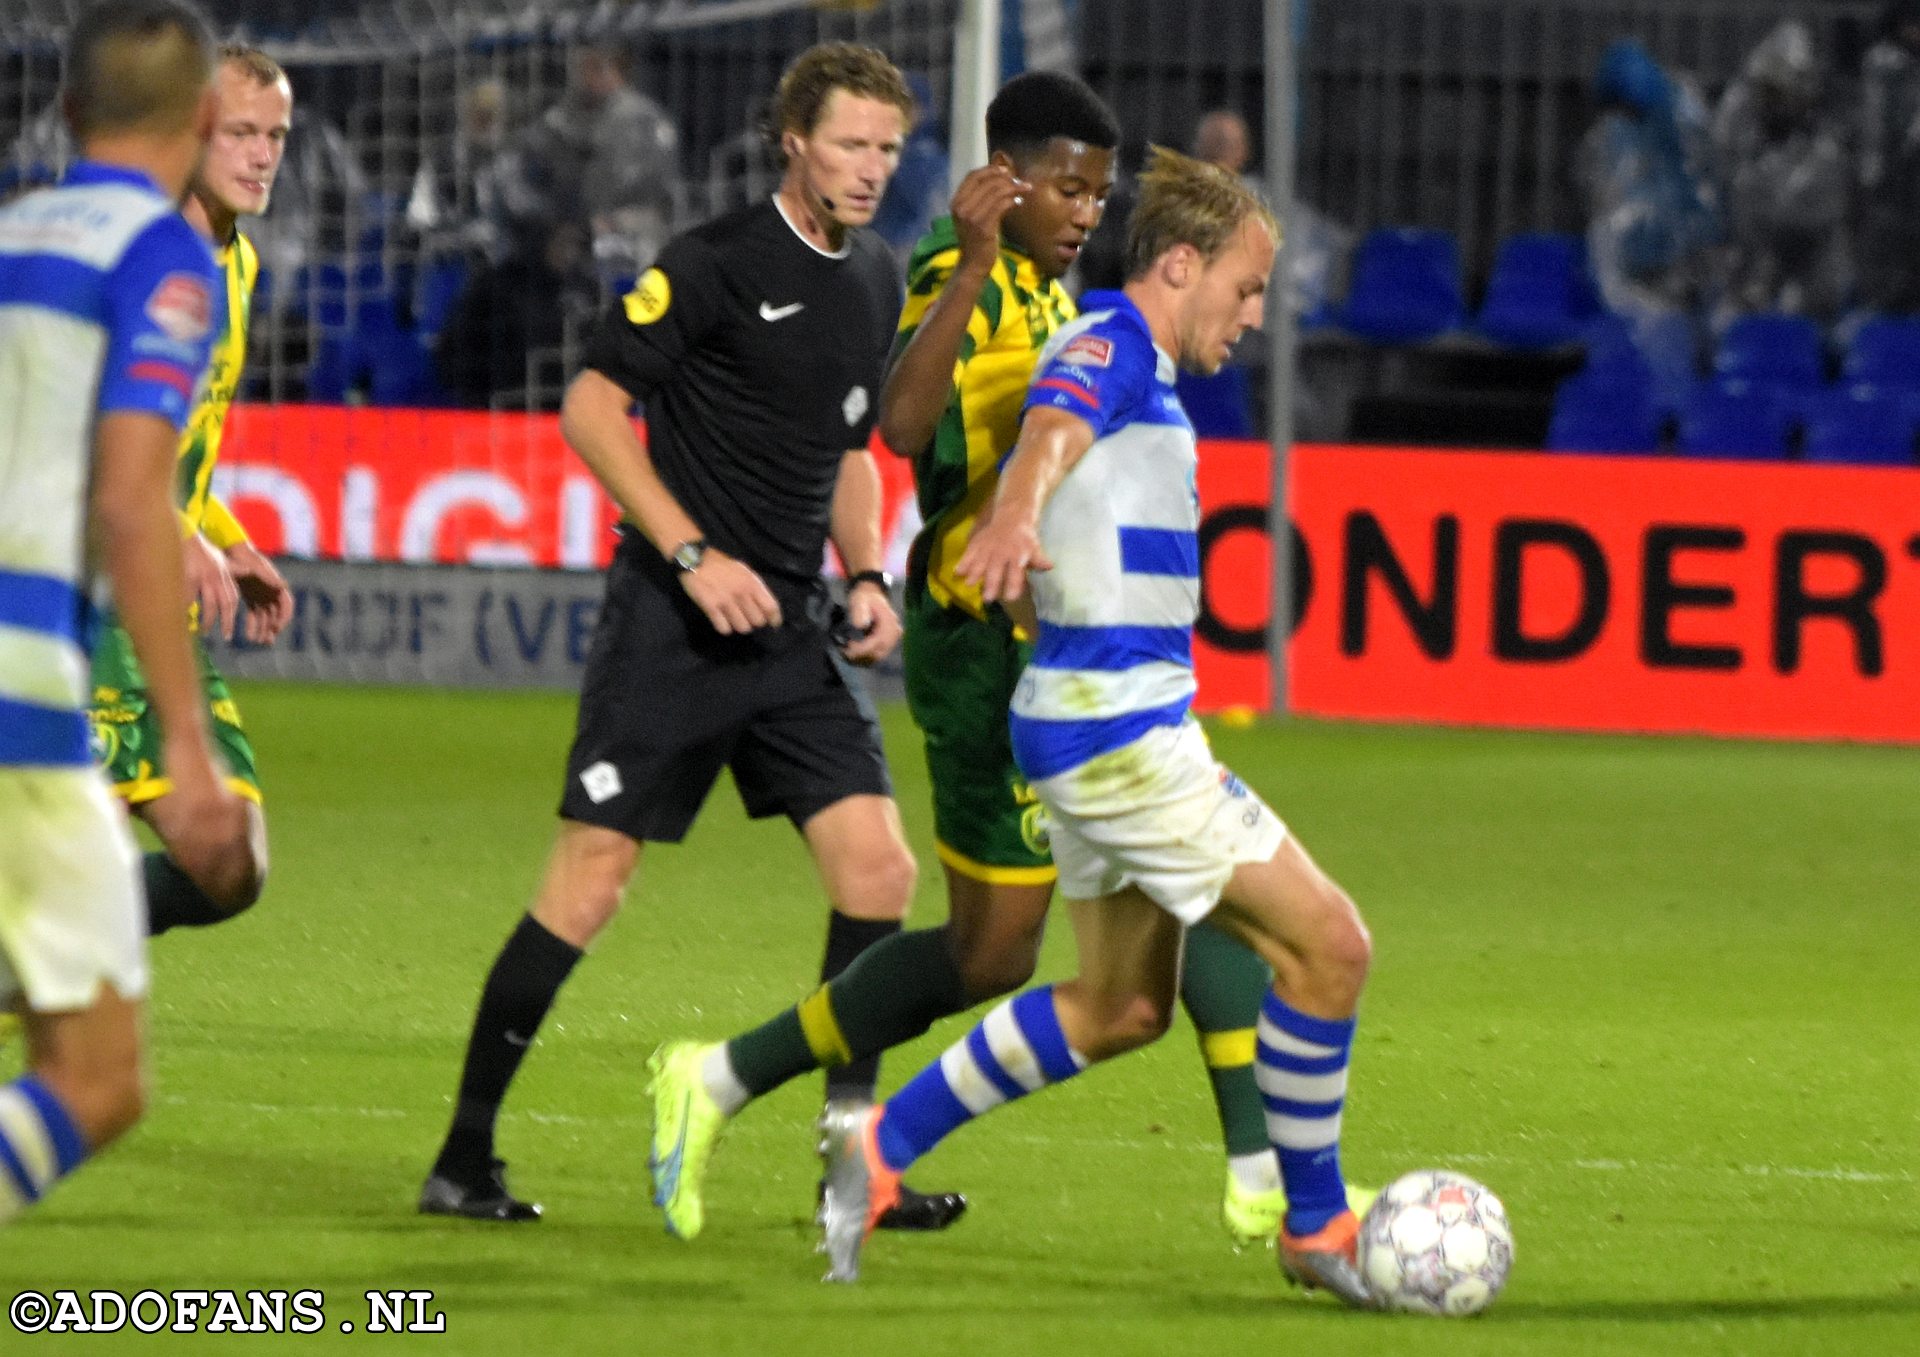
pixel 688 555
pixel 879 577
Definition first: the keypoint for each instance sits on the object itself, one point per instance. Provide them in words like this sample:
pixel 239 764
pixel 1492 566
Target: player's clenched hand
pixel 998 556
pixel 877 630
pixel 269 601
pixel 202 822
pixel 210 584
pixel 732 594
pixel 983 198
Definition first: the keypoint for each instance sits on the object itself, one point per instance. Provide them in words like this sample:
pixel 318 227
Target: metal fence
pixel 1455 114
pixel 1459 114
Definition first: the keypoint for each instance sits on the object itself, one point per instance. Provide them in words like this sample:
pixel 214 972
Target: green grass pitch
pixel 1661 995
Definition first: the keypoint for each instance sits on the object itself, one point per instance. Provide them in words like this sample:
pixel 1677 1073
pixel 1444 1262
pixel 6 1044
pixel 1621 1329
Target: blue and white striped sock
pixel 1301 1066
pixel 1015 1050
pixel 39 1144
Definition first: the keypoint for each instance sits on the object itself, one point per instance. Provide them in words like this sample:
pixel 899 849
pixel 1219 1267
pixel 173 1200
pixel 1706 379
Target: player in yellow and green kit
pixel 223 567
pixel 984 296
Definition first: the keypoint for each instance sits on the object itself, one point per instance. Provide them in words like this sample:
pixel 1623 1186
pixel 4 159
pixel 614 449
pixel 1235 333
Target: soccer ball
pixel 1436 1243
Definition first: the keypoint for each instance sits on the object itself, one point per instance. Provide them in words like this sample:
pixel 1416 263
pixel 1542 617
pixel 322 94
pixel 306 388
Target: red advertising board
pixel 453 486
pixel 1590 593
pixel 1511 589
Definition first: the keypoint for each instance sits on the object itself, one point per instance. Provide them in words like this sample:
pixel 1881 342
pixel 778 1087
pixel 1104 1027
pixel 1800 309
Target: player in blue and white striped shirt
pixel 1150 833
pixel 106 306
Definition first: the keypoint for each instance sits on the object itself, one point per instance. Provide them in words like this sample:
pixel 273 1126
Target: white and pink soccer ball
pixel 1436 1243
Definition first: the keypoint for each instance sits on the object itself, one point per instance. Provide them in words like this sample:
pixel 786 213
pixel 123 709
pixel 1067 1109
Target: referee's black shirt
pixel 759 360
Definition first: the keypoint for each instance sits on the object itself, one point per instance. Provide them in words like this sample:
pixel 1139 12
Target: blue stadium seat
pixel 1220 406
pixel 334 369
pixel 1772 349
pixel 1609 411
pixel 1885 351
pixel 1860 426
pixel 1538 296
pixel 1722 421
pixel 1406 286
pixel 441 283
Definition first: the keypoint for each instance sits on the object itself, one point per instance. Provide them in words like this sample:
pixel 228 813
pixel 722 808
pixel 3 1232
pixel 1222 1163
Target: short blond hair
pixel 1183 201
pixel 825 67
pixel 255 64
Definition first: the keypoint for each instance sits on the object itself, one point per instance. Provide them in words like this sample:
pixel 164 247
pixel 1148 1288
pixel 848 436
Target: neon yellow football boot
pixel 687 1123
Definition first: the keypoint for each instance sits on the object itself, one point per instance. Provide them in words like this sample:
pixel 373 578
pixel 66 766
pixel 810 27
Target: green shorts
pixel 960 675
pixel 126 733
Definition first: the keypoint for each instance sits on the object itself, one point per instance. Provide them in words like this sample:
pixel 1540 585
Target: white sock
pixel 1257 1172
pixel 722 1084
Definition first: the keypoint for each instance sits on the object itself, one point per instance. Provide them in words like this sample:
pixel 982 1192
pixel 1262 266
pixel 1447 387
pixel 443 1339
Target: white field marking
pixel 1835 1174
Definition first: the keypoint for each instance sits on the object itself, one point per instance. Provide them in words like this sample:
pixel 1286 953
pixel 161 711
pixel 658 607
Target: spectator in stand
pixel 1222 139
pixel 514 310
pixel 1889 163
pixel 454 203
pixel 604 151
pixel 1783 158
pixel 1653 214
pixel 918 191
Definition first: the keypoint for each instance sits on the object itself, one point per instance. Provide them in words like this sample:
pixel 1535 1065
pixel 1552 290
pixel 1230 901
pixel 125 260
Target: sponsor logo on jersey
pixel 650 298
pixel 182 307
pixel 855 405
pixel 1088 351
pixel 768 311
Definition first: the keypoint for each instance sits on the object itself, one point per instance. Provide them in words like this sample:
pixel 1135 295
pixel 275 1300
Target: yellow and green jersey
pixel 200 442
pixel 956 473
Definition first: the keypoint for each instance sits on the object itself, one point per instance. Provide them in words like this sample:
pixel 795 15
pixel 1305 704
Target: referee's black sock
pixel 173 900
pixel 847 938
pixel 520 989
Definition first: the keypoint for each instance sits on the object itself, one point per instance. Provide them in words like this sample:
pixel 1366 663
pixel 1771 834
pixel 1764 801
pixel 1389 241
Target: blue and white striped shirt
pixel 1115 654
pixel 106 305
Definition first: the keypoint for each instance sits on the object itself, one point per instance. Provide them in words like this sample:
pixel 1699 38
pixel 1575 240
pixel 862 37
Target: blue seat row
pixel 1406 287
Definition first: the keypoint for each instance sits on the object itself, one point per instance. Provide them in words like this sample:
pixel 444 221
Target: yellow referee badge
pixel 650 298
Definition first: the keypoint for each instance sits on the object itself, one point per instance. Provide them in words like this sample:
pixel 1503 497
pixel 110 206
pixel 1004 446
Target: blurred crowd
pixel 1795 192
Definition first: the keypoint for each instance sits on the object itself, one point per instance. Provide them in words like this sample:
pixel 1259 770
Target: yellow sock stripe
pixel 992 875
pixel 824 1037
pixel 20 1124
pixel 1226 1050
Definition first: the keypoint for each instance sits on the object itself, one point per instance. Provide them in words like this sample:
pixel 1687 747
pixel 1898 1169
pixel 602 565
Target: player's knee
pixel 1344 952
pixel 879 884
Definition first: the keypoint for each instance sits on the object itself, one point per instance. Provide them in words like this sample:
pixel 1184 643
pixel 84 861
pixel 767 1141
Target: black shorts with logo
pixel 667 702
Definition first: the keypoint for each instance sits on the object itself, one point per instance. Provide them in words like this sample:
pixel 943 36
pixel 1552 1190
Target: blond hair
pixel 1183 201
pixel 255 64
pixel 825 67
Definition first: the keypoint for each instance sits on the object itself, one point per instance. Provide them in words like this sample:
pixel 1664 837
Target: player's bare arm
pixel 920 380
pixel 856 536
pixel 594 421
pixel 1007 544
pixel 137 537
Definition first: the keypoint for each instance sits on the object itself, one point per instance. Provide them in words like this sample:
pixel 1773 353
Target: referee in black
pixel 757 343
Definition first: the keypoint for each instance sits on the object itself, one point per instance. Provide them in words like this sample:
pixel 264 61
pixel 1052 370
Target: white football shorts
pixel 72 914
pixel 1162 814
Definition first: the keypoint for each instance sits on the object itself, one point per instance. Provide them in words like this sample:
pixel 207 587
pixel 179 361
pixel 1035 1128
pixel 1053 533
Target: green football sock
pixel 1222 984
pixel 893 991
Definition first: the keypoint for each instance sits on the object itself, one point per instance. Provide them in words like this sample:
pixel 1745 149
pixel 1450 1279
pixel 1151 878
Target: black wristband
pixel 879 577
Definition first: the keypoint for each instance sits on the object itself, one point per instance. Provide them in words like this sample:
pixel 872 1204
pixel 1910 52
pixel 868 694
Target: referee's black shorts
pixel 667 702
